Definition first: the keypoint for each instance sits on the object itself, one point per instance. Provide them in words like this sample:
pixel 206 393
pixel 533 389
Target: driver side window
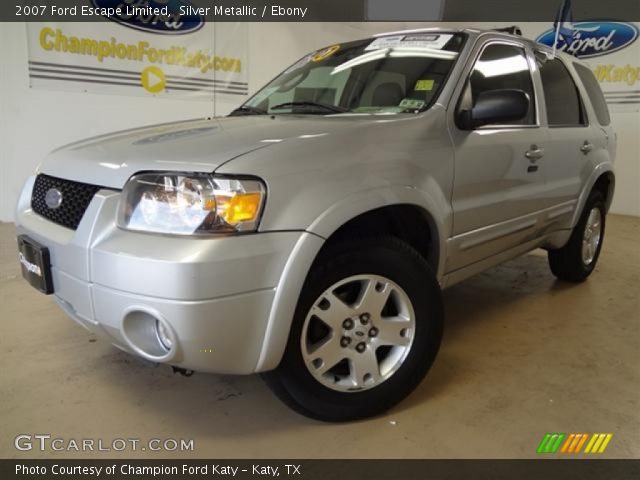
pixel 501 66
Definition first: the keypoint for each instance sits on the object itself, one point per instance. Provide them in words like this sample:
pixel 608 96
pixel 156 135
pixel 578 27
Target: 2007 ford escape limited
pixel 307 236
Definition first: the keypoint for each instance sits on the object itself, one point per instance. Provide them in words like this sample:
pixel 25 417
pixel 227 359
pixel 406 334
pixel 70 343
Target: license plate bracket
pixel 35 262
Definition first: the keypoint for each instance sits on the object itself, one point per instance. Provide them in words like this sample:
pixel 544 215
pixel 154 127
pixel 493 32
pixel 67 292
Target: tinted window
pixel 564 107
pixel 501 67
pixel 592 87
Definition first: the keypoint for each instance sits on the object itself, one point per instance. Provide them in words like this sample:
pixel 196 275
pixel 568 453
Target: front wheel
pixel 366 330
pixel 577 259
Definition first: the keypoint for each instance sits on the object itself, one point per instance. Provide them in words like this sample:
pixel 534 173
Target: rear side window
pixel 592 87
pixel 564 106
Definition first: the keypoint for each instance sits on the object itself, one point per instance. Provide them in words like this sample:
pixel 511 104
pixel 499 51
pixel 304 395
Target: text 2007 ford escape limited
pixel 307 235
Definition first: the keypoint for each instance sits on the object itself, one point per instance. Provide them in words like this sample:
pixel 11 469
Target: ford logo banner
pixel 592 39
pixel 176 17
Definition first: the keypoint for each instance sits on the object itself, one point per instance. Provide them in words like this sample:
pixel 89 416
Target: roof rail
pixel 513 30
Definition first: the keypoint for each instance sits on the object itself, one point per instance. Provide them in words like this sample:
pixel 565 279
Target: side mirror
pixel 494 107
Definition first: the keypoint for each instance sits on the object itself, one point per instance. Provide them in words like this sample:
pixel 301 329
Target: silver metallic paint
pixel 236 296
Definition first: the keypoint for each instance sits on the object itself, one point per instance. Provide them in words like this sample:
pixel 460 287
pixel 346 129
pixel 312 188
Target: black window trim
pixel 576 83
pixel 528 57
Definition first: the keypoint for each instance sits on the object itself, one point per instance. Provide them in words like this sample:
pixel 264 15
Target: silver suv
pixel 308 235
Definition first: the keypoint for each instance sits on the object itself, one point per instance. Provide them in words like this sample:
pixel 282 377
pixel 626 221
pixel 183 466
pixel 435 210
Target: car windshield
pixel 384 75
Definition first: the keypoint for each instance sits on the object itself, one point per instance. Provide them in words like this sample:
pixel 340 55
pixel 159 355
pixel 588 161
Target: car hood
pixel 188 146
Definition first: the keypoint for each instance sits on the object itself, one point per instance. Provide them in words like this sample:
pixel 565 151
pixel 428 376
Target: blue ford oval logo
pixel 172 17
pixel 592 39
pixel 53 198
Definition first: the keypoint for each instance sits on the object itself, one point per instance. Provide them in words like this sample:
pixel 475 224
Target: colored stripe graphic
pixel 598 443
pixel 570 439
pixel 573 443
pixel 551 442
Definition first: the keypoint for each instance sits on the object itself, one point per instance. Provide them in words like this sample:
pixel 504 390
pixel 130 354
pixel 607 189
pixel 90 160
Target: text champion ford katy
pixel 157 470
pixel 307 236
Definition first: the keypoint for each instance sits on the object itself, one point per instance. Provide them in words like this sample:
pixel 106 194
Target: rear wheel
pixel 577 259
pixel 366 330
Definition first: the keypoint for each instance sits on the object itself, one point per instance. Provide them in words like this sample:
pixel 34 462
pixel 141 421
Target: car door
pixel 498 180
pixel 572 140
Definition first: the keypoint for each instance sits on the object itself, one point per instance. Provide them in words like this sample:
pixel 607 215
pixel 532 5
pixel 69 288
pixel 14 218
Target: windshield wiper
pixel 247 110
pixel 325 106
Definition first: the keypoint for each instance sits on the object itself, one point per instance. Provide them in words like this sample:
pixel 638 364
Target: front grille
pixel 76 197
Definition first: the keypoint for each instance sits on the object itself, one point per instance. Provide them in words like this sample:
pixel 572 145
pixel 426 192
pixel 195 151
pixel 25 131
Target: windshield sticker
pixel 430 40
pixel 324 53
pixel 424 85
pixel 385 42
pixel 412 103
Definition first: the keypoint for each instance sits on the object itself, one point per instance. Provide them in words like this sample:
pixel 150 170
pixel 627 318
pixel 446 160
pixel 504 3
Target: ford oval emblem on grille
pixel 53 198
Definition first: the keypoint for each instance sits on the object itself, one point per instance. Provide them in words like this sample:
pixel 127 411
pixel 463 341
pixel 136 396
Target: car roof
pixel 475 33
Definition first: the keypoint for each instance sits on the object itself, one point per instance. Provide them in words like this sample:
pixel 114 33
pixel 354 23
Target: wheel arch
pixel 606 183
pixel 602 179
pixel 409 222
pixel 343 219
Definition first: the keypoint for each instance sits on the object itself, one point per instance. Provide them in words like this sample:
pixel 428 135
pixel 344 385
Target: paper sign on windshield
pixel 434 41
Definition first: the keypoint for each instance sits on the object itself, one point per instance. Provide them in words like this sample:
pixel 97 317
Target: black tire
pixel 567 262
pixel 292 381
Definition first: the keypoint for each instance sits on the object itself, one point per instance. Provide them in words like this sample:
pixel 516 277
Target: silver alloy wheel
pixel 358 333
pixel 591 237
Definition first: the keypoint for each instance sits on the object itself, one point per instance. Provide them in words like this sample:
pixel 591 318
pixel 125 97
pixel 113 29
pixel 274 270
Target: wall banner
pixel 612 50
pixel 118 57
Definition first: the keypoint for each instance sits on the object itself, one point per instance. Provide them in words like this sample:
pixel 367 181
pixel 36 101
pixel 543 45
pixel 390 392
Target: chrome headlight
pixel 190 204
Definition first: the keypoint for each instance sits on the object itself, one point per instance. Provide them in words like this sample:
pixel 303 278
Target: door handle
pixel 586 147
pixel 534 153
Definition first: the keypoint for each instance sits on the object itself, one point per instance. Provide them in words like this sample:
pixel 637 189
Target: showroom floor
pixel 522 355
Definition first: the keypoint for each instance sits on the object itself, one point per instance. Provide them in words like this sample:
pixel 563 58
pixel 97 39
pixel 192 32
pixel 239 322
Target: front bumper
pixel 215 295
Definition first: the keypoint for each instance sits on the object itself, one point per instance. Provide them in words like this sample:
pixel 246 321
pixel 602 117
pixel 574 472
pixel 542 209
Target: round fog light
pixel 163 335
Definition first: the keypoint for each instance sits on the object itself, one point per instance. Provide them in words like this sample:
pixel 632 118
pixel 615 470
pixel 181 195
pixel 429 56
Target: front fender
pixel 431 200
